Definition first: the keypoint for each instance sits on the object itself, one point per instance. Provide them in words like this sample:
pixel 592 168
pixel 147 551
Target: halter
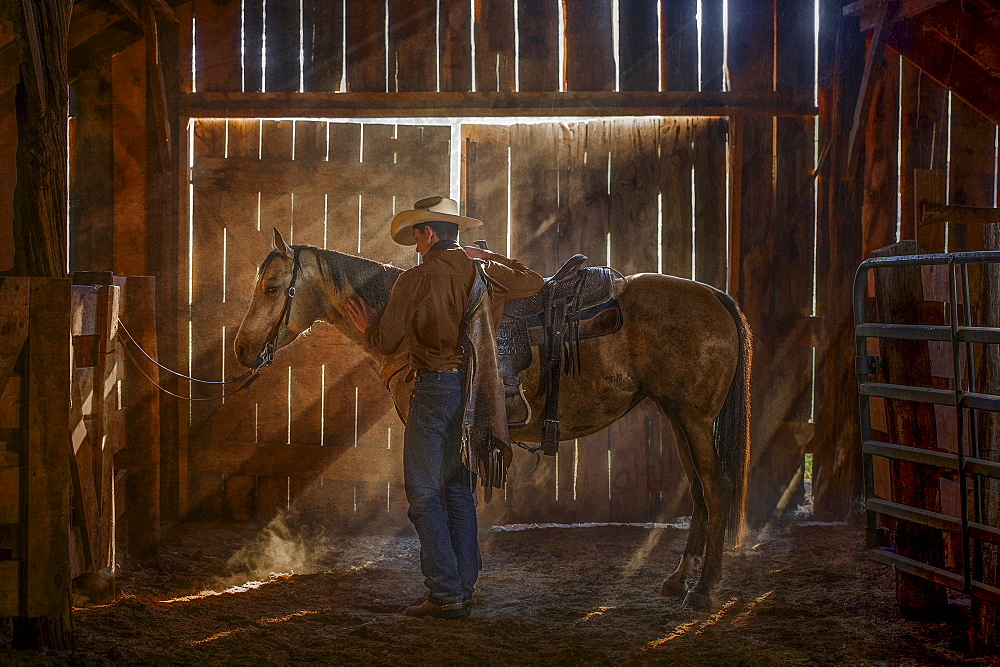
pixel 266 355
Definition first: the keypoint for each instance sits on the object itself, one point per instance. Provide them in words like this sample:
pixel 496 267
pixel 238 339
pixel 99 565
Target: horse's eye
pixel 270 289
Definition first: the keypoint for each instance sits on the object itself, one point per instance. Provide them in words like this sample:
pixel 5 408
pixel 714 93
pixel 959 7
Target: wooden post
pixel 899 300
pixel 41 34
pixel 142 452
pixel 44 621
pixel 985 622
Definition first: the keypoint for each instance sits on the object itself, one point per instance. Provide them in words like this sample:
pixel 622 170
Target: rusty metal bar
pixel 959 334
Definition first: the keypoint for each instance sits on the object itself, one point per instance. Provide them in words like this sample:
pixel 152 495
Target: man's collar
pixel 445 244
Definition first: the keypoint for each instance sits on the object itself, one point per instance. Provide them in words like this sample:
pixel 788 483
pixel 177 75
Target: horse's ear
pixel 280 245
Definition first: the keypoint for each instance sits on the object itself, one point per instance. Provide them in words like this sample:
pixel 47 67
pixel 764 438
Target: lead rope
pixel 247 378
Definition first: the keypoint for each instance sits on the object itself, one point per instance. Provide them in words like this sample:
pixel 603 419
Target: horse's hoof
pixel 697 601
pixel 674 588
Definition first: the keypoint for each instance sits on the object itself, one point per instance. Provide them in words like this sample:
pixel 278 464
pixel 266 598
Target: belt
pixel 427 370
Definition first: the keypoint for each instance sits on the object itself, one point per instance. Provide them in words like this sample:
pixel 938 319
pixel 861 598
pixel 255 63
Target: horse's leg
pixel 718 495
pixel 676 583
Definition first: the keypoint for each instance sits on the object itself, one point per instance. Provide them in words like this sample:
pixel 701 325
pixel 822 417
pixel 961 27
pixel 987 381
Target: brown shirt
pixel 427 303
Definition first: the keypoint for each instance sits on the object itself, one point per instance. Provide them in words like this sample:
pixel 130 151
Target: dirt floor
pixel 804 595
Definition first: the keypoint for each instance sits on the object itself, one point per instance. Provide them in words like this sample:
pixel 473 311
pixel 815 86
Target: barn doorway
pixel 321 434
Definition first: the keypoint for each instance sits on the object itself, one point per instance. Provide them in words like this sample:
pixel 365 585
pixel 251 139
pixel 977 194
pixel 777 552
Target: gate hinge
pixel 868 365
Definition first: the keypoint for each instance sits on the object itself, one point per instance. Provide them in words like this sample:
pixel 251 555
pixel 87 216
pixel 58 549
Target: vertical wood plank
pixel 638 50
pixel 590 53
pixel 712 44
pixel 880 206
pixel 484 182
pixel 413 62
pixel 253 46
pixel 534 194
pixel 45 475
pixel 676 160
pixel 218 31
pixel 281 31
pixel 185 18
pixel 143 422
pixel 680 45
pixel 593 500
pixel 751 44
pixel 323 30
pixel 366 57
pixel 972 170
pixel 494 38
pixel 342 233
pixel 711 226
pixel 8 177
pixel 456 45
pixel 91 224
pixel 538 39
pixel 634 195
pixel 128 70
pixel 584 193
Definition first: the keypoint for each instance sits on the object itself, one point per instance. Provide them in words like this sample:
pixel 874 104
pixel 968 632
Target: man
pixel 424 316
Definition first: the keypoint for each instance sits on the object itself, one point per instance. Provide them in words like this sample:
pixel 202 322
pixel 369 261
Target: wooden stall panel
pixel 485 168
pixel 282 24
pixel 674 241
pixel 333 185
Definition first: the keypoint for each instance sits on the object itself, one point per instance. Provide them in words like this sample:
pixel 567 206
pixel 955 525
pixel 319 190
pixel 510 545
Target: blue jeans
pixel 439 488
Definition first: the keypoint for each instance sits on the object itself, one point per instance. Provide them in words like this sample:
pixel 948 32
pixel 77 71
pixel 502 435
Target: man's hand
pixel 362 315
pixel 477 253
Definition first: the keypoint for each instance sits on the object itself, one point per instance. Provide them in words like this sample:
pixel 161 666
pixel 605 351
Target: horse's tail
pixel 732 427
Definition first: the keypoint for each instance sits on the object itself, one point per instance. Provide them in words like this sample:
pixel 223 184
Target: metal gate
pixel 967 398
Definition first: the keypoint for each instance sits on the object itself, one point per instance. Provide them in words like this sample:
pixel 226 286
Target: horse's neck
pixel 341 277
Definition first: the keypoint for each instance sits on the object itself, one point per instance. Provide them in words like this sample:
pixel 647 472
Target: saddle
pixel 574 304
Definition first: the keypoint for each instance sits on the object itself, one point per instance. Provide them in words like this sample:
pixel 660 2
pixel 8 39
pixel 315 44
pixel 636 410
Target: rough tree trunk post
pixel 41 29
pixel 41 32
pixel 985 629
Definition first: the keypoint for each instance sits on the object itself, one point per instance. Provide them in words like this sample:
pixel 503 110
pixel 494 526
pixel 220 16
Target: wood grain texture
pixel 45 475
pixel 218 30
pixel 674 180
pixel 680 45
pixel 129 113
pixel 413 57
pixel 455 25
pixel 282 68
pixel 366 56
pixel 92 179
pixel 485 196
pixel 634 195
pixel 538 41
pixel 322 47
pixel 711 223
pixel 590 62
pixel 638 51
pixel 494 39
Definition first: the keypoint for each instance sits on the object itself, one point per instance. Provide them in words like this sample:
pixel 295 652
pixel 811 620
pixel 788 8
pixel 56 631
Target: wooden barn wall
pixel 755 240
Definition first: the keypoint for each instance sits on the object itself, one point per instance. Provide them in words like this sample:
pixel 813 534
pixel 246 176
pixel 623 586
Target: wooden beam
pixel 129 10
pixel 158 91
pixel 874 66
pixel 950 67
pixel 447 105
pixel 869 10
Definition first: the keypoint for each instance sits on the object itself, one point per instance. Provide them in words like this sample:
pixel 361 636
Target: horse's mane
pixel 367 278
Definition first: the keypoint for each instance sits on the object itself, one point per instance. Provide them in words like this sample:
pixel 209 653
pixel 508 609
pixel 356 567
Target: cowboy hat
pixel 431 209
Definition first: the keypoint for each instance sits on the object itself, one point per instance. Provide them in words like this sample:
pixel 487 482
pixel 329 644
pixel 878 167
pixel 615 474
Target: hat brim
pixel 405 220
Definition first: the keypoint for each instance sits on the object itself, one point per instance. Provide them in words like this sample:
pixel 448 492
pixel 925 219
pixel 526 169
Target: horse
pixel 685 345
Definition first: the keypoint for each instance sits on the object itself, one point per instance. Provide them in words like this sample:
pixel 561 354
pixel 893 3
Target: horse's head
pixel 282 306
